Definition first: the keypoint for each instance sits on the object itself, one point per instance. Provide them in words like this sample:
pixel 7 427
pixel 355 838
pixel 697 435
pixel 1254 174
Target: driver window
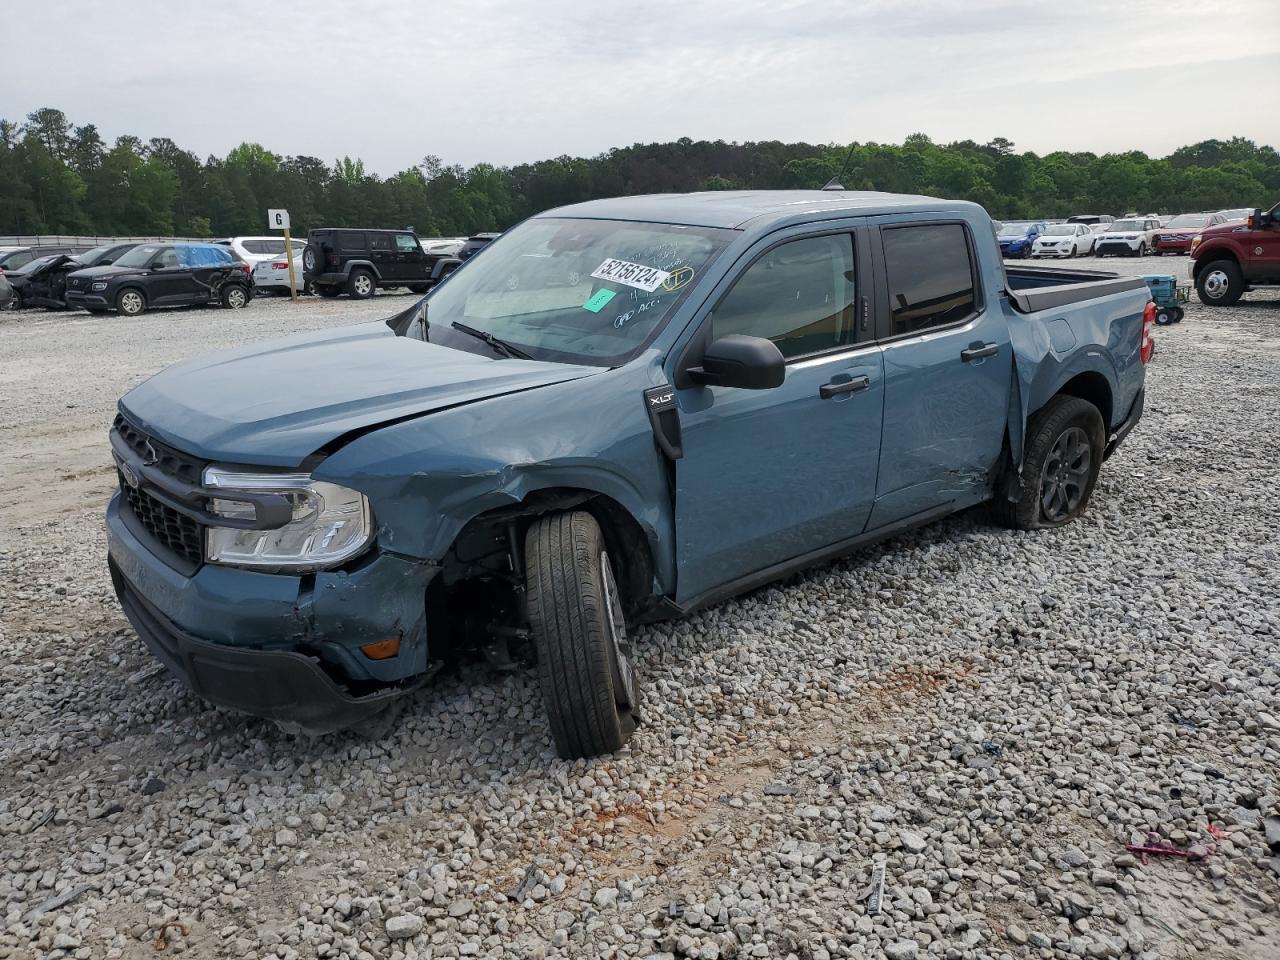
pixel 166 258
pixel 800 295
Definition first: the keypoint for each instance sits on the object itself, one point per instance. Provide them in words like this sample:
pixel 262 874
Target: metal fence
pixel 48 240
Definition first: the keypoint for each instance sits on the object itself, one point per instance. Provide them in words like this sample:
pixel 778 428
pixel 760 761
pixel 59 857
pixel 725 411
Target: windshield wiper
pixel 500 346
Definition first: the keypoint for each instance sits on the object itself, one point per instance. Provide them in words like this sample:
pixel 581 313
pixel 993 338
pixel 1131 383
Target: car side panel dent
pixel 426 478
pixel 1107 334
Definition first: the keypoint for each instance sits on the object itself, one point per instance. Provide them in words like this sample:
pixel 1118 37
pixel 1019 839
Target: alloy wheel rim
pixel 236 298
pixel 363 285
pixel 1215 284
pixel 624 679
pixel 131 303
pixel 1065 475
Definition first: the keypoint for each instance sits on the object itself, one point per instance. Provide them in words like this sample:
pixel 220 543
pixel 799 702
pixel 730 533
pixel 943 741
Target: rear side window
pixel 350 240
pixel 800 295
pixel 379 241
pixel 406 243
pixel 930 273
pixel 203 256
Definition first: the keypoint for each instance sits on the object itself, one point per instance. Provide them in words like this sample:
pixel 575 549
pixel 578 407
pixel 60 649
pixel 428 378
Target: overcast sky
pixel 506 81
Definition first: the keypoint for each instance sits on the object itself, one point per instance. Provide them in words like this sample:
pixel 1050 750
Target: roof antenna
pixel 834 183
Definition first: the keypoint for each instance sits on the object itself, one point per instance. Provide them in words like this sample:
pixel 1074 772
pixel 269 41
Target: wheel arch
pixel 631 546
pixel 1093 387
pixel 1213 255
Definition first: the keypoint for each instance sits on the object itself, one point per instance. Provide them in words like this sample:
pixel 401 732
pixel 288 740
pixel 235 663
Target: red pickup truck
pixel 1231 258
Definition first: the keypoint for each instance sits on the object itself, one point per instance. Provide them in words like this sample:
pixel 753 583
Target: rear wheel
pixel 360 284
pixel 1220 284
pixel 1063 455
pixel 234 296
pixel 584 657
pixel 311 288
pixel 1142 249
pixel 131 302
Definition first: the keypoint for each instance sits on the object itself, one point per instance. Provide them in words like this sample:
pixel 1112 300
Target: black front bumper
pixel 280 685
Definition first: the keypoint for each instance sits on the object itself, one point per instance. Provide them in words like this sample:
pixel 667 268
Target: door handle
pixel 979 351
pixel 837 387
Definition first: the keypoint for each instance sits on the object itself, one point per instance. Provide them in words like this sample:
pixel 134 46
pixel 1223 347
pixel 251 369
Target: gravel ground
pixel 990 715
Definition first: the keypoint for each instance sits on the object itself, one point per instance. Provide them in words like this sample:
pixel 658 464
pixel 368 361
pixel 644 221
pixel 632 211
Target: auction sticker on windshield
pixel 635 275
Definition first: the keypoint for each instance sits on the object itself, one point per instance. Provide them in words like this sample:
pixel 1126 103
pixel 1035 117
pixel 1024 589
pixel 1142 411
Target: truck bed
pixel 1046 288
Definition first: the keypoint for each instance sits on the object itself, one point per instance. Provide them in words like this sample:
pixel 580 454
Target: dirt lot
pixel 990 715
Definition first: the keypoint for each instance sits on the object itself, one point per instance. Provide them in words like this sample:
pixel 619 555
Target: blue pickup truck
pixel 623 410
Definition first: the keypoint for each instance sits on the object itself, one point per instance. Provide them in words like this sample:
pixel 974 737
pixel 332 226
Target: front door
pixel 772 475
pixel 1263 264
pixel 948 371
pixel 411 261
pixel 169 282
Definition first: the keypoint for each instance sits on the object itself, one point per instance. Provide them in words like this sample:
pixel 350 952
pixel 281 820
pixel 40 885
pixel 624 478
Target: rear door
pixel 771 475
pixel 947 368
pixel 382 252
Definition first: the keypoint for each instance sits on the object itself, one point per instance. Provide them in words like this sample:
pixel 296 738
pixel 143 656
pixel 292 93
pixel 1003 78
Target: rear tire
pixel 419 287
pixel 234 297
pixel 1220 283
pixel 1063 456
pixel 361 285
pixel 575 611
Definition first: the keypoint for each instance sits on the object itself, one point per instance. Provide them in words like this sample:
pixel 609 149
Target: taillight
pixel 1148 347
pixel 280 265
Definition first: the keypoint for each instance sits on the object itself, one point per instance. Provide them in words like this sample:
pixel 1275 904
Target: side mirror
pixel 751 363
pixel 105 263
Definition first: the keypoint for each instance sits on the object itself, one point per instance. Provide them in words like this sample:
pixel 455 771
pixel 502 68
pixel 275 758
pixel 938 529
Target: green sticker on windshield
pixel 598 300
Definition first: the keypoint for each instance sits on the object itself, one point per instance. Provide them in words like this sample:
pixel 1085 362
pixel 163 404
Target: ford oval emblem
pixel 130 475
pixel 1257 251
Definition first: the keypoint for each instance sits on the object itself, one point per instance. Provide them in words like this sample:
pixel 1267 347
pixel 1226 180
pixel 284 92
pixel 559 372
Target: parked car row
pixel 1102 235
pixel 329 262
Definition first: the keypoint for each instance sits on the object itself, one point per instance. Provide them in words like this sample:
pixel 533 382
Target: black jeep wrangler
pixel 358 262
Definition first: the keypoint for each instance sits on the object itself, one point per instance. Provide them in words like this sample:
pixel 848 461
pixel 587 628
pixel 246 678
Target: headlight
pixel 330 523
pixel 98 286
pixel 1195 242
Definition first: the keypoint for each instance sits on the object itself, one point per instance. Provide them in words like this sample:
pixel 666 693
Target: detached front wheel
pixel 1060 466
pixel 584 657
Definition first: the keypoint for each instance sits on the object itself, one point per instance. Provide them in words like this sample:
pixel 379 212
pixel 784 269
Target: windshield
pixel 35 264
pixel 1189 220
pixel 90 255
pixel 1013 230
pixel 1241 214
pixel 1060 230
pixel 584 291
pixel 1122 225
pixel 138 256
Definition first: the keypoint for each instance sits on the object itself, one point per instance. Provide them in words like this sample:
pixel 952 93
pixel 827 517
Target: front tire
pixel 1065 441
pixel 360 284
pixel 584 658
pixel 1142 249
pixel 131 302
pixel 1220 284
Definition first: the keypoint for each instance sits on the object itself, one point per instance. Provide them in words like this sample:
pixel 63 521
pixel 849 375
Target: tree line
pixel 57 177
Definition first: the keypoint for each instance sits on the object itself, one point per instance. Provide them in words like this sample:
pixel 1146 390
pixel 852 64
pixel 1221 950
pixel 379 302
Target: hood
pixel 1181 231
pixel 1121 234
pixel 278 402
pixel 90 274
pixel 1231 226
